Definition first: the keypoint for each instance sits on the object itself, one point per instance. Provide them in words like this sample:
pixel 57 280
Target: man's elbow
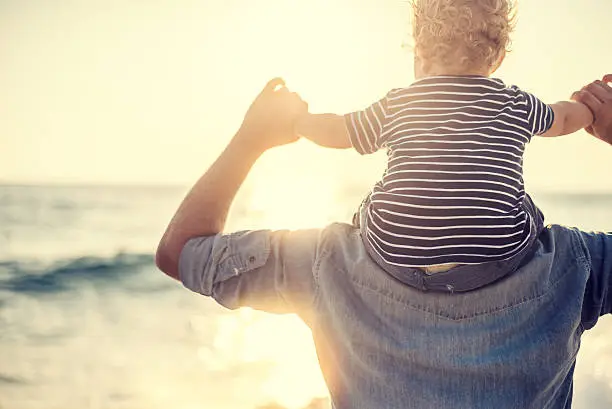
pixel 167 259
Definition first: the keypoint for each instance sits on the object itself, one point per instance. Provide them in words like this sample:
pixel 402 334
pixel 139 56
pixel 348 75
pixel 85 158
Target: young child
pixel 453 191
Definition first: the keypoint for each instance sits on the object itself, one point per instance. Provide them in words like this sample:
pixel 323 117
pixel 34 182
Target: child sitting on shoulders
pixel 453 191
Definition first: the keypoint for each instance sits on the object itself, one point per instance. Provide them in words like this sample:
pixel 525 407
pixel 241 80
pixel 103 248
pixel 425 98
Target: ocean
pixel 87 321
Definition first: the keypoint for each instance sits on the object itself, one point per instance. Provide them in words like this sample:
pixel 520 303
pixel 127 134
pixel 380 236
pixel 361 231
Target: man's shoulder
pixel 340 234
pixel 564 243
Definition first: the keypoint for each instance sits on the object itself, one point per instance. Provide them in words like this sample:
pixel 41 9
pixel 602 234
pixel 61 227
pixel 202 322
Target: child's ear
pixel 498 63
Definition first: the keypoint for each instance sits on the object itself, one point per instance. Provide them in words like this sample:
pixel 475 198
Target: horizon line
pixel 176 185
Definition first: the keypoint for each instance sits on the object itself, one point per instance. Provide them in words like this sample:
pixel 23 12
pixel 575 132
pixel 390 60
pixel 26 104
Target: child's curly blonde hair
pixel 462 35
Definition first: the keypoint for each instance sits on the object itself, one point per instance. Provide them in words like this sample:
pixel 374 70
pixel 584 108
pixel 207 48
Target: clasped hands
pixel 270 120
pixel 598 97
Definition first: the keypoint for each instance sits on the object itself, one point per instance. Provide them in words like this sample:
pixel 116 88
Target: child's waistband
pixel 453 277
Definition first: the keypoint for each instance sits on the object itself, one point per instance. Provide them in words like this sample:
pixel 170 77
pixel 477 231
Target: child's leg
pixel 440 268
pixel 360 212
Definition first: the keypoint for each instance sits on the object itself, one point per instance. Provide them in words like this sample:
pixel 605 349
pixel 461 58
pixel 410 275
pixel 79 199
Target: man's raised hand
pixel 270 120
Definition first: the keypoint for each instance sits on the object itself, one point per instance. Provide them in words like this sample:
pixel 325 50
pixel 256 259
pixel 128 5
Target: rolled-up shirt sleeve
pixel 272 271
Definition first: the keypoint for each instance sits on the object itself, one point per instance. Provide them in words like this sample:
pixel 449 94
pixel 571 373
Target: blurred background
pixel 110 110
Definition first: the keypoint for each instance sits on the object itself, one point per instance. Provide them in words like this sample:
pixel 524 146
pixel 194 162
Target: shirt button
pixel 252 259
pixel 236 271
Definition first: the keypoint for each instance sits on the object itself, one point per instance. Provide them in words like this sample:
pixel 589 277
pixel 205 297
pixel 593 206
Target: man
pixel 382 344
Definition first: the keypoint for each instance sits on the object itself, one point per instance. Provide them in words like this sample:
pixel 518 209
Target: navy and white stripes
pixel 453 189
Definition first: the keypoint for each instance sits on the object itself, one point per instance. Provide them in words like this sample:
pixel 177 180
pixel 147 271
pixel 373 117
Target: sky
pixel 149 92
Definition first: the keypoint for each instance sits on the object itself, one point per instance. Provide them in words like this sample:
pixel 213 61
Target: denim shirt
pixel 383 344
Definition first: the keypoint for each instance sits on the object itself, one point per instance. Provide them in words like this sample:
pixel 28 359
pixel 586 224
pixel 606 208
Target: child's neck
pixel 436 71
pixel 450 73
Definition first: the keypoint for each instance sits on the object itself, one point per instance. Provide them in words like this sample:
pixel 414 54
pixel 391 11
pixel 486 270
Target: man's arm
pixel 570 116
pixel 272 271
pixel 269 122
pixel 327 130
pixel 204 210
pixel 598 293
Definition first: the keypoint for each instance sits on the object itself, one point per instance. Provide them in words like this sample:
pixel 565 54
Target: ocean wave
pixel 31 277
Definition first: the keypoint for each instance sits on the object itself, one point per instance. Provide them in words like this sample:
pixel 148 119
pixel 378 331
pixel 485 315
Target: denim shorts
pixel 462 278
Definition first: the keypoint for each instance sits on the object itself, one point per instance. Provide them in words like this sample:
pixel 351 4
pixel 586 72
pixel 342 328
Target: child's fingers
pixel 589 100
pixel 273 84
pixel 607 78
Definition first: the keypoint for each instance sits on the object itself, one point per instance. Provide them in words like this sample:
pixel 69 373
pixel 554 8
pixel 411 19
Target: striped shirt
pixel 453 189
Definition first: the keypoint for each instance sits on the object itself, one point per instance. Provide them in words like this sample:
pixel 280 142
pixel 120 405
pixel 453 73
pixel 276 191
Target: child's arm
pixel 328 130
pixel 361 130
pixel 570 117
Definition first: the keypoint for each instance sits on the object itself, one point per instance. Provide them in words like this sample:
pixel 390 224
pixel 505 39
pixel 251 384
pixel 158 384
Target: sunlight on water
pixel 294 377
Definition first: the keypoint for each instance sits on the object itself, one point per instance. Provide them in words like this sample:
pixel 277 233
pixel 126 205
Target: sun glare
pixel 291 189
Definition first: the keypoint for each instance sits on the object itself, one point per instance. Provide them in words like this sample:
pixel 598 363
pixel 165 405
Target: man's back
pixel 383 344
pixel 510 345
